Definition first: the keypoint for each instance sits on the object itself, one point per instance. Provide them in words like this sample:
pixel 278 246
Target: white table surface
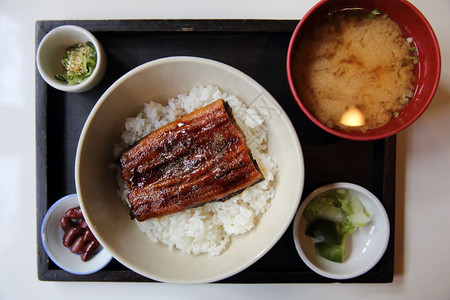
pixel 422 222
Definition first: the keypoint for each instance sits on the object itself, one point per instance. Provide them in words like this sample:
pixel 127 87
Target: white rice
pixel 208 228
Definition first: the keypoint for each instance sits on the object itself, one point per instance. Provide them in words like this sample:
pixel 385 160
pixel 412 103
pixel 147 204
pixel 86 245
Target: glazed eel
pixel 196 159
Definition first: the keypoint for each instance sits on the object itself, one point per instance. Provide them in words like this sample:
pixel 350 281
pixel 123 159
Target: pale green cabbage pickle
pixel 345 211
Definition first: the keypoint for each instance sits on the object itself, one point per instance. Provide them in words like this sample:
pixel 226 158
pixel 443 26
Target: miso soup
pixel 354 60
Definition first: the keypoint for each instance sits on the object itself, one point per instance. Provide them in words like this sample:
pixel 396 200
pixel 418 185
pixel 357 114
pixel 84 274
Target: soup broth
pixel 354 60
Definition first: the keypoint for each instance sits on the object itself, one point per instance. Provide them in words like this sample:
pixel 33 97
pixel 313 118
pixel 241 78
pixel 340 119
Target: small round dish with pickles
pixel 341 230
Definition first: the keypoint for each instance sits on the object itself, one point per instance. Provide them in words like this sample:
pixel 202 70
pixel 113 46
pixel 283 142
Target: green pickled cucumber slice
pixel 324 231
pixel 330 251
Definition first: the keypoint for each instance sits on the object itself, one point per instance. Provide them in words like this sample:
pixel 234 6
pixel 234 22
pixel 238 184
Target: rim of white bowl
pixel 251 81
pixel 46 248
pixel 98 70
pixel 372 198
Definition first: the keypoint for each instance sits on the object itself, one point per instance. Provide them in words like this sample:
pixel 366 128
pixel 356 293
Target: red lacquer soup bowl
pixel 427 67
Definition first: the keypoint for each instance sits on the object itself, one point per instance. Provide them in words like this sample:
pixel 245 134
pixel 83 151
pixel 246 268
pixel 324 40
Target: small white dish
pixel 364 248
pixel 52 239
pixel 51 50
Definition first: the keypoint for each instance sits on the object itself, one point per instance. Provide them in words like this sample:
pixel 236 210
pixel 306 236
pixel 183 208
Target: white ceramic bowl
pixel 52 235
pixel 96 184
pixel 364 248
pixel 52 49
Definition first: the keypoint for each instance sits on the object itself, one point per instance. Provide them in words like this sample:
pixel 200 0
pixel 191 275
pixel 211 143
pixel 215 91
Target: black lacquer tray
pixel 256 47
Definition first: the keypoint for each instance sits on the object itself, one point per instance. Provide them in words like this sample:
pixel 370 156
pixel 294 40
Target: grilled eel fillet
pixel 198 158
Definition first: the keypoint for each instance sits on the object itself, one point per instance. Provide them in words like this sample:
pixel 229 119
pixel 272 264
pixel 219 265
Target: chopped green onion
pixel 373 14
pixel 414 59
pixel 413 49
pixel 410 94
pixel 395 114
pixel 376 12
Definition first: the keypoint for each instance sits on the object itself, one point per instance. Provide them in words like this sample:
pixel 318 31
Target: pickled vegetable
pixel 79 63
pixel 331 218
pixel 324 231
pixel 330 251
